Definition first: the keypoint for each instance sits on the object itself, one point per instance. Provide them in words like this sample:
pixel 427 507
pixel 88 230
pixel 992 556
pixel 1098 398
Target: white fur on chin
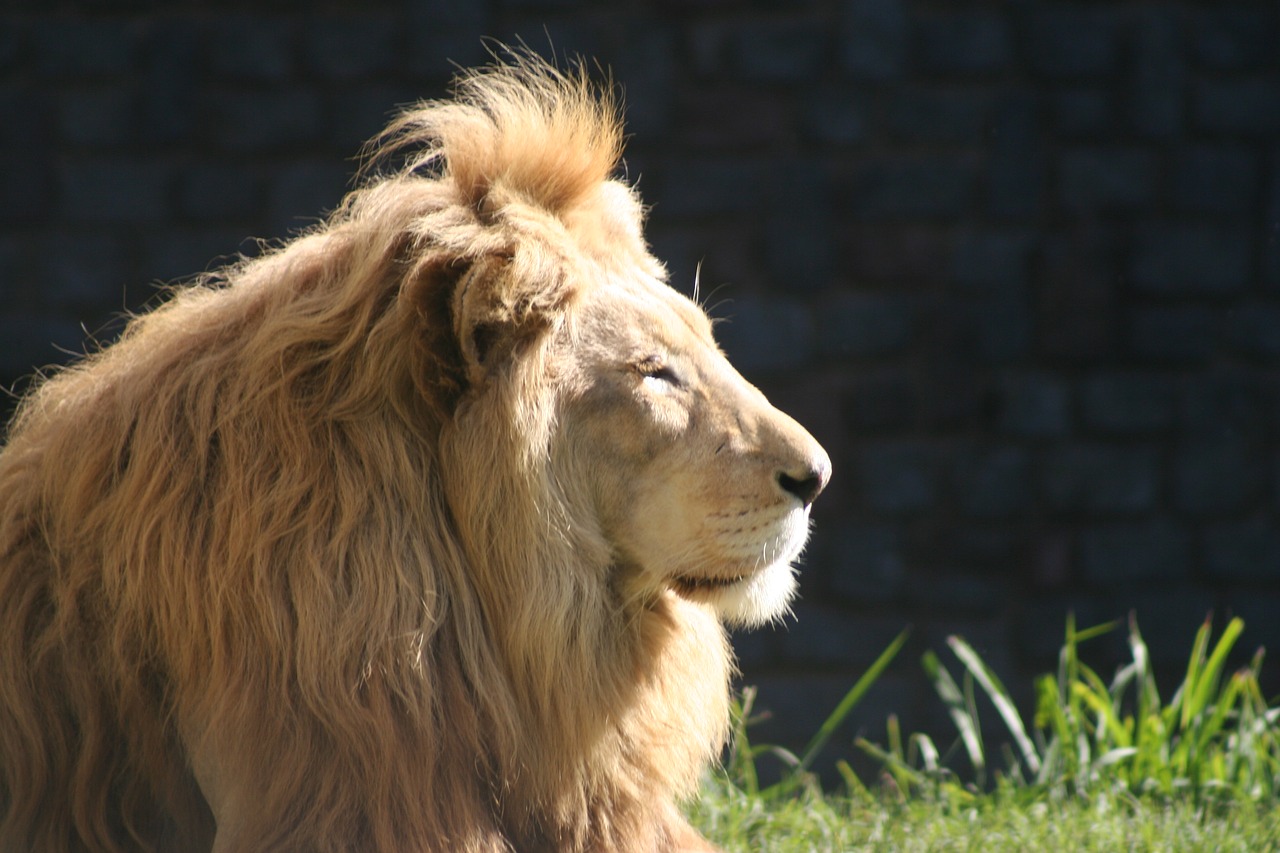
pixel 761 598
pixel 766 595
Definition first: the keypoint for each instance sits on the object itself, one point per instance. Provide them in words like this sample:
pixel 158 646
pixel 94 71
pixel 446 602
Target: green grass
pixel 811 821
pixel 1100 766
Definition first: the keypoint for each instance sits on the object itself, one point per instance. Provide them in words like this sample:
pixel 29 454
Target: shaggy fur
pixel 304 562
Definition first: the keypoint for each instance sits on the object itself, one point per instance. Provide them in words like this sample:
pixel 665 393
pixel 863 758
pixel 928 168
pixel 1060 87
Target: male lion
pixel 414 534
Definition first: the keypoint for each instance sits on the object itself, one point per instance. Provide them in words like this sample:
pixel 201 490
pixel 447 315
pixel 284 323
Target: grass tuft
pixel 1099 766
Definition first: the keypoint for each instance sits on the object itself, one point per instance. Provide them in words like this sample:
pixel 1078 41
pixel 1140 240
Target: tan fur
pixel 414 534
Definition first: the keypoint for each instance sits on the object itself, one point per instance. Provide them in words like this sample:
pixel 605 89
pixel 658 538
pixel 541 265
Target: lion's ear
pixel 499 305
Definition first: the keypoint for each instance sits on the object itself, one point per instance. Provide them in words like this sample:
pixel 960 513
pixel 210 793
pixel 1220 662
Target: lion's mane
pixel 282 554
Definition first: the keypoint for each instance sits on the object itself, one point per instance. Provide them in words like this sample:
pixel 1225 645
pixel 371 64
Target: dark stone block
pixel 124 190
pixel 894 254
pixel 82 271
pixel 957 594
pixel 351 47
pixel 266 120
pixel 1225 405
pixel 92 48
pixel 1172 334
pixel 208 192
pixel 963 42
pixel 31 129
pixel 172 92
pixel 1219 476
pixel 252 48
pixel 997 552
pixel 993 262
pixel 827 636
pixel 357 114
pixel 177 255
pixel 16 279
pixel 646 60
pixel 725 118
pixel 866 563
pixel 1238 106
pixel 788 51
pixel 27 194
pixel 798 250
pixel 879 402
pixel 1100 478
pixel 1168 617
pixel 763 333
pixel 12 38
pixel 1041 627
pixel 1253 329
pixel 1216 181
pixel 993 483
pixel 1097 179
pixel 1232 38
pixel 898 477
pixel 1034 405
pixel 835 116
pixel 98 118
pixel 860 325
pixel 36 339
pixel 1128 403
pixel 1158 82
pixel 706 186
pixel 1076 309
pixel 1016 161
pixel 1072 40
pixel 954 401
pixel 444 36
pixel 1155 551
pixel 936 114
pixel 304 191
pixel 915 187
pixel 1084 113
pixel 1243 552
pixel 873 38
pixel 1271 229
pixel 994 328
pixel 1174 258
pixel 1260 610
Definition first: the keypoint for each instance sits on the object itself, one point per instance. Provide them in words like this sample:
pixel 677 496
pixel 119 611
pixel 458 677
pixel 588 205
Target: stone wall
pixel 1016 263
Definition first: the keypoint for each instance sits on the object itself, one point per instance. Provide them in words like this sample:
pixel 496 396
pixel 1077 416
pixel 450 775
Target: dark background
pixel 1016 264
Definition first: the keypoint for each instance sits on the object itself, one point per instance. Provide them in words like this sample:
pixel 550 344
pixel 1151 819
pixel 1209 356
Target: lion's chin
pixel 746 600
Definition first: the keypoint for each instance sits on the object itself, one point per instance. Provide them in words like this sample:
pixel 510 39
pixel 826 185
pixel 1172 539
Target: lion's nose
pixel 807 483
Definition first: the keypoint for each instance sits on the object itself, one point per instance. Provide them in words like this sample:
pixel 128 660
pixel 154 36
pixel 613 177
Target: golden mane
pixel 292 528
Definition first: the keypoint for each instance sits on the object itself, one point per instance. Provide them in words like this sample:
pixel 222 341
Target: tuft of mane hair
pixel 552 138
pixel 283 568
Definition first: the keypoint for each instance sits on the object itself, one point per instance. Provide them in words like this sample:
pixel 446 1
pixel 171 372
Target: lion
pixel 418 532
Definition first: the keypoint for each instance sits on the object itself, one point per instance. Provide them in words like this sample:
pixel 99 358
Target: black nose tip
pixel 808 486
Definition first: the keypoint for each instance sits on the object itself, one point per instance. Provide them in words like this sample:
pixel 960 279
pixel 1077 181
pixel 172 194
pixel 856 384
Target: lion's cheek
pixel 654 523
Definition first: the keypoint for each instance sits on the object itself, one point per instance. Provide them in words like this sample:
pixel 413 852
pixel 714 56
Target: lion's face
pixel 702 488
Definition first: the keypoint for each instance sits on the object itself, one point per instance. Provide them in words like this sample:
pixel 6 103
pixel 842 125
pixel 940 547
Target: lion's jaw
pixel 758 596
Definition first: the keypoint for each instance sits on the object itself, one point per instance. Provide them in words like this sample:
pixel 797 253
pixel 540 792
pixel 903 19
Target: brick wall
pixel 1016 264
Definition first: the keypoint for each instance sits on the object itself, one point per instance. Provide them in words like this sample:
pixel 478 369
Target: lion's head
pixel 416 533
pixel 698 484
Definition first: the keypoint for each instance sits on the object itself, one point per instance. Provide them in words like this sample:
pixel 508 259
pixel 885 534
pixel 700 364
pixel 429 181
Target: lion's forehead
pixel 651 311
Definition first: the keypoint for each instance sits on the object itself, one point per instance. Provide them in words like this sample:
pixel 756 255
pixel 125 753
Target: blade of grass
pixel 957 708
pixel 851 699
pixel 1211 675
pixel 999 697
pixel 1194 665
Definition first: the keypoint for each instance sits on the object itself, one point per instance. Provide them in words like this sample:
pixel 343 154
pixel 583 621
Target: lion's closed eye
pixel 656 370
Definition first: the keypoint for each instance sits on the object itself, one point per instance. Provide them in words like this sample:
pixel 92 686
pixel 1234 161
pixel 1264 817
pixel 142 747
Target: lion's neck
pixel 645 691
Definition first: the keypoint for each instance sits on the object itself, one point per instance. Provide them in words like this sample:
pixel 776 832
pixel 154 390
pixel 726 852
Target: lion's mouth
pixel 689 586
